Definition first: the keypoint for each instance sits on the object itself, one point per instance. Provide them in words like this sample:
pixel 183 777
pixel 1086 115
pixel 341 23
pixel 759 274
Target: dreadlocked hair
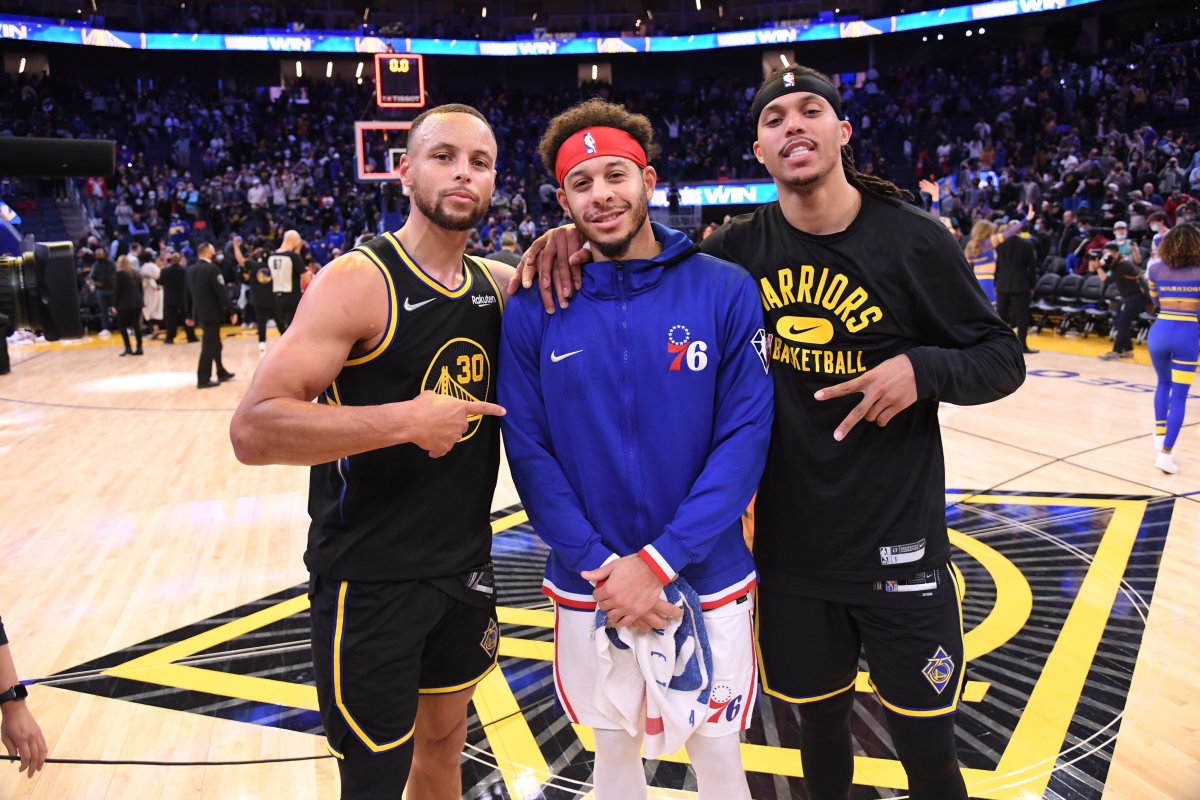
pixel 870 183
pixel 863 182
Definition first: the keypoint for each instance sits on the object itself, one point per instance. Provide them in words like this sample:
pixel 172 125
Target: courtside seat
pixel 1091 300
pixel 1142 326
pixel 1068 301
pixel 1045 299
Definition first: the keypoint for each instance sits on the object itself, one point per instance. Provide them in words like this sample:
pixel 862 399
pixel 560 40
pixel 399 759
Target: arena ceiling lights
pixel 35 30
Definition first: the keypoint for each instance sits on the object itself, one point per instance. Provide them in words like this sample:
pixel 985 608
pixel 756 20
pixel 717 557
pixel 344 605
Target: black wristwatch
pixel 18 692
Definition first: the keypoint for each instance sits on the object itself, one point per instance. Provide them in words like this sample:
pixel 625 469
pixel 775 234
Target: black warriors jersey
pixel 396 514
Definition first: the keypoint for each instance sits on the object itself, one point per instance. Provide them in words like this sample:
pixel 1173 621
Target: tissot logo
pixel 806 330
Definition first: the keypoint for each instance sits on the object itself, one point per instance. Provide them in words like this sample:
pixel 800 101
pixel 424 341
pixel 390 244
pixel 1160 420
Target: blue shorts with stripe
pixel 911 631
pixel 378 646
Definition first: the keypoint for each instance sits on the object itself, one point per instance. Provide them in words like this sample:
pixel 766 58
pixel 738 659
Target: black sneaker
pixel 225 376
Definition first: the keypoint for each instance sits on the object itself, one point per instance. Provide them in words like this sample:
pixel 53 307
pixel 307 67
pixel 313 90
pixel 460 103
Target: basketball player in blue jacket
pixel 640 421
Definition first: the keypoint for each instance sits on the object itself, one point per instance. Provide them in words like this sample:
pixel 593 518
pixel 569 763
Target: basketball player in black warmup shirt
pixel 397 341
pixel 864 295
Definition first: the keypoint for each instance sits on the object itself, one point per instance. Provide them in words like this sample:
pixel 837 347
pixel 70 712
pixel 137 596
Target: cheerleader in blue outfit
pixel 1174 278
pixel 981 249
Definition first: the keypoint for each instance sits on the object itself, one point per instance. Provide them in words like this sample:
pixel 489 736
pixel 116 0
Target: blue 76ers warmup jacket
pixel 638 419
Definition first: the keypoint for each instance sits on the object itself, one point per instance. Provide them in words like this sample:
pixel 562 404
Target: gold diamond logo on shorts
pixel 938 669
pixel 491 636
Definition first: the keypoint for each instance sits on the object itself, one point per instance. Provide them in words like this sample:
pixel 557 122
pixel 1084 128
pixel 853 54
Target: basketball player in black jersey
pixel 876 316
pixel 397 341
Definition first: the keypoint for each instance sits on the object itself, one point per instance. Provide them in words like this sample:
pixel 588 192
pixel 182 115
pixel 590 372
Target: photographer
pixel 1116 269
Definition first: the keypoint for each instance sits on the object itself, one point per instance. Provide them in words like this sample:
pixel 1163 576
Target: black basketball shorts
pixel 911 631
pixel 378 646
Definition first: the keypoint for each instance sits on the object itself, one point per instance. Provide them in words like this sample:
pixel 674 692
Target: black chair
pixel 1141 327
pixel 1101 317
pixel 1068 301
pixel 1091 298
pixel 1045 299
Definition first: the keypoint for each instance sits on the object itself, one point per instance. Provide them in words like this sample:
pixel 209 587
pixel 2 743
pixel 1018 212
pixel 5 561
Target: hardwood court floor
pixel 124 517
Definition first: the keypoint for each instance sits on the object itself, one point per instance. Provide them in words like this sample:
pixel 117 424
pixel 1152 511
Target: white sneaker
pixel 1166 462
pixel 262 347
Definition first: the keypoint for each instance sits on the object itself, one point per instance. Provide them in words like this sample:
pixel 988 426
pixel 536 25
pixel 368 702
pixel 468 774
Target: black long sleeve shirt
pixel 872 506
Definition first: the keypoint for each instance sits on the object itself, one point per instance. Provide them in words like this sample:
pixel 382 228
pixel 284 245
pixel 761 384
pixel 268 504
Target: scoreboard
pixel 399 80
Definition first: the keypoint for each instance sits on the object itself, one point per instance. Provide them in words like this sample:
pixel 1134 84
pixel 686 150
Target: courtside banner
pixel 718 194
pixel 31 29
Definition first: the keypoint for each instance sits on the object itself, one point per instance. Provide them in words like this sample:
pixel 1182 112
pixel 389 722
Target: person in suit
pixel 174 284
pixel 1016 273
pixel 127 304
pixel 209 303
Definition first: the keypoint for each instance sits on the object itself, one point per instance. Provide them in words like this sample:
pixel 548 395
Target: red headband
pixel 594 143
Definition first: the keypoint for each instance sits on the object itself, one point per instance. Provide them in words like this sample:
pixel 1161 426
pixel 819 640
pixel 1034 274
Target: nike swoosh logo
pixel 805 330
pixel 414 306
pixel 557 358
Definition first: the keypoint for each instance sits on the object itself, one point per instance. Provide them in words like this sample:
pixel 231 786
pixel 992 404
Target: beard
pixel 613 250
pixel 443 219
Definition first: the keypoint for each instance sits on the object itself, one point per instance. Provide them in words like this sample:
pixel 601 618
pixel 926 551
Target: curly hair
pixel 859 180
pixel 595 113
pixel 1181 246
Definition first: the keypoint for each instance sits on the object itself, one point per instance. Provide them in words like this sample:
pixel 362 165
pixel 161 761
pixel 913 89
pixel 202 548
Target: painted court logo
pixel 938 669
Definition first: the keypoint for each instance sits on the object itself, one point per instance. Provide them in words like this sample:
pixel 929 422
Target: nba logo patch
pixel 491 637
pixel 761 342
pixel 789 80
pixel 938 669
pixel 589 143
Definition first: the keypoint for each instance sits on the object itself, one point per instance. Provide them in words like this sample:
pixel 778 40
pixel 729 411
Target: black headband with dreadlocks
pixel 788 82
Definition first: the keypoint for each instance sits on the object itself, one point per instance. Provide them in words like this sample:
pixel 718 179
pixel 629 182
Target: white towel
pixel 660 681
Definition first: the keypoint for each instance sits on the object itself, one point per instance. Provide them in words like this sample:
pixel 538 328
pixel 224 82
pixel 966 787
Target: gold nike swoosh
pixel 806 330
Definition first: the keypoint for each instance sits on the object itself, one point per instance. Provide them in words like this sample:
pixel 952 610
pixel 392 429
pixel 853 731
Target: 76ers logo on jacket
pixel 684 351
